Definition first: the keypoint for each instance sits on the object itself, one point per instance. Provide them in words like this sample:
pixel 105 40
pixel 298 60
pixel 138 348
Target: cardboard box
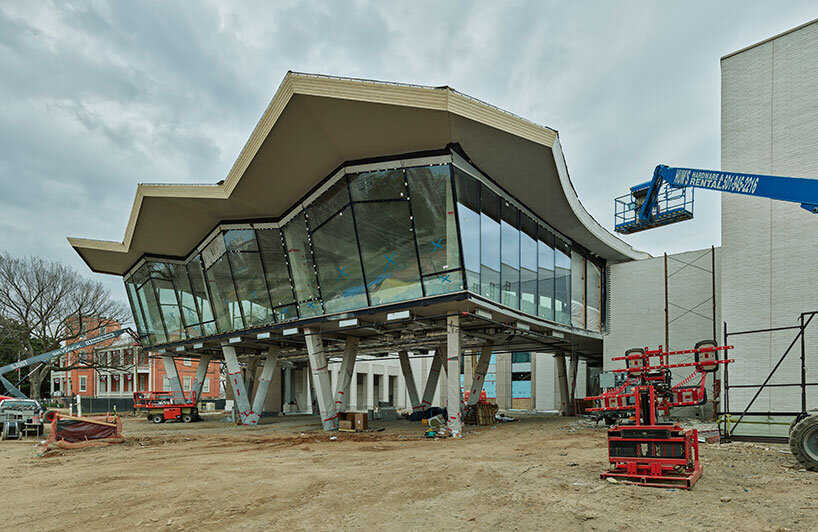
pixel 361 421
pixel 345 424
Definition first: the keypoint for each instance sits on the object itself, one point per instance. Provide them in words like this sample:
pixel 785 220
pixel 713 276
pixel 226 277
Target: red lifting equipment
pixel 645 451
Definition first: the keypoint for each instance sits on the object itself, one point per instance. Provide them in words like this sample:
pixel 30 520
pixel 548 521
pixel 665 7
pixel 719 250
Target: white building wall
pixel 769 125
pixel 637 302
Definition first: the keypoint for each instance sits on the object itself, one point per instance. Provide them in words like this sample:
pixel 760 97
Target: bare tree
pixel 49 303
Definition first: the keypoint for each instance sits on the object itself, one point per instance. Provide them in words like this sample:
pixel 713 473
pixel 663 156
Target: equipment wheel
pixel 187 418
pixel 158 418
pixel 804 442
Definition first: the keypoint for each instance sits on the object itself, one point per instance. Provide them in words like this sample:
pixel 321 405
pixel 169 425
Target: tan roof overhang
pixel 313 125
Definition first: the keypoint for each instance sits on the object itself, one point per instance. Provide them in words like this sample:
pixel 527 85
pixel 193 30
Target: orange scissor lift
pixel 167 406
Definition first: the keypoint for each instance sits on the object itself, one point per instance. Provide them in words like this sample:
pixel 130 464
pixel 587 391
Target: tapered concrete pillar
pixel 288 384
pixel 345 374
pixel 434 378
pixel 370 388
pixel 453 338
pixel 173 378
pixel 409 378
pixel 201 374
pixel 573 387
pixel 270 365
pixel 562 381
pixel 240 395
pixel 480 374
pixel 321 379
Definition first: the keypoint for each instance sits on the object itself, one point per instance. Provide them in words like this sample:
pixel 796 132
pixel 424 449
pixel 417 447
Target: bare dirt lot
pixel 539 473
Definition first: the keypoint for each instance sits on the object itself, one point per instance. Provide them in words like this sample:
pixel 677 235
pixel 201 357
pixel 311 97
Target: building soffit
pixel 314 124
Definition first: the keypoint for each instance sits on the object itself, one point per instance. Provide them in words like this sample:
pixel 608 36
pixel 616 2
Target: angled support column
pixel 480 374
pixel 173 378
pixel 321 379
pixel 434 377
pixel 250 375
pixel 345 373
pixel 201 374
pixel 562 381
pixel 409 377
pixel 246 414
pixel 270 365
pixel 453 338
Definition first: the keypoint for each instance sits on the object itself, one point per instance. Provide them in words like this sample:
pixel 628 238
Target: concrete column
pixel 270 365
pixel 323 390
pixel 240 395
pixel 385 385
pixel 453 338
pixel 250 374
pixel 409 378
pixel 346 373
pixel 201 374
pixel 173 378
pixel 51 380
pixel 562 381
pixel 534 381
pixel 434 377
pixel 573 387
pixel 480 373
pixel 503 376
pixel 288 384
pixel 469 362
pixel 370 388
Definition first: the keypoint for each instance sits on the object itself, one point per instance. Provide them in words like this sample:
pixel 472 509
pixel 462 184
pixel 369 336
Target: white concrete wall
pixel 637 293
pixel 769 125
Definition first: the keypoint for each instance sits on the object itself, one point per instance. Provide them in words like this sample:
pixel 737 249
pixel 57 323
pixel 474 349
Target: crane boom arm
pixel 51 354
pixel 793 189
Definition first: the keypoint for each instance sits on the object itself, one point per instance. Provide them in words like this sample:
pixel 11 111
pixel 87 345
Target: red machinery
pixel 167 406
pixel 642 450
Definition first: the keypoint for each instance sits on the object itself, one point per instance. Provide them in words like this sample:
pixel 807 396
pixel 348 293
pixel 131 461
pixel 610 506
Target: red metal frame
pixel 163 400
pixel 646 452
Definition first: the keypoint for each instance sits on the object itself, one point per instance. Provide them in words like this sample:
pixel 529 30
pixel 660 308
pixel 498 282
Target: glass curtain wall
pixel 372 238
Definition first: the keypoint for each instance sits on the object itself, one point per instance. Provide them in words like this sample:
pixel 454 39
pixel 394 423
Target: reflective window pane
pixel 328 204
pixel 388 250
pixel 545 274
pixel 252 288
pixel 528 265
pixel 170 309
pixel 577 290
pixel 136 308
pixel 240 240
pixel 593 297
pixel 433 210
pixel 443 283
pixel 223 292
pixel 468 213
pixel 510 254
pixel 154 328
pixel 339 265
pixel 379 185
pixel 184 293
pixel 562 282
pixel 489 244
pixel 301 264
pixel 276 270
pixel 197 284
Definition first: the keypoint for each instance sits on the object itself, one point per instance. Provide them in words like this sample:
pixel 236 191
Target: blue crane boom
pixel 13 390
pixel 664 200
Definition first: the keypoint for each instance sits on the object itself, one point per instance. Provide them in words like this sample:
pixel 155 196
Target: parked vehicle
pixel 26 413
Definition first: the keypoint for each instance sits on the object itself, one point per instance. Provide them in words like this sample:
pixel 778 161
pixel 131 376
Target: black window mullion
pixel 358 243
pixel 182 320
pixel 137 306
pixel 314 266
pixel 195 299
pixel 414 232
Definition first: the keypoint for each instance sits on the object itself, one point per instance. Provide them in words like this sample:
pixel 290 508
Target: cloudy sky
pixel 96 97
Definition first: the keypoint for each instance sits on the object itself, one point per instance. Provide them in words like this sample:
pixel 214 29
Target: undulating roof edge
pixel 443 99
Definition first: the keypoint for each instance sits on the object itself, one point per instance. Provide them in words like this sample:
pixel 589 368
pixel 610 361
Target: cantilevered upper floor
pixel 356 197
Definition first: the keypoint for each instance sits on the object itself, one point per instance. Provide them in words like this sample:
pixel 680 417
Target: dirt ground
pixel 539 473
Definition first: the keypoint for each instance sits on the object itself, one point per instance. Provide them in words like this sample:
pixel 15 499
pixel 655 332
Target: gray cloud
pixel 99 96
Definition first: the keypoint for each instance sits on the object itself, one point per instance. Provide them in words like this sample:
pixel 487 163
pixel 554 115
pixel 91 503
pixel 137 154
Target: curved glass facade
pixel 368 239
